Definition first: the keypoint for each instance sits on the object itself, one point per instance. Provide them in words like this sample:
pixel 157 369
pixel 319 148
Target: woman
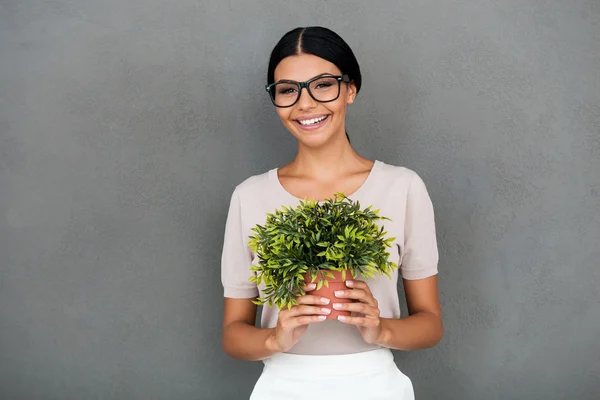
pixel 313 76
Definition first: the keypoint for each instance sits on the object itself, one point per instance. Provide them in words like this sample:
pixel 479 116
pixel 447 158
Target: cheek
pixel 339 108
pixel 284 113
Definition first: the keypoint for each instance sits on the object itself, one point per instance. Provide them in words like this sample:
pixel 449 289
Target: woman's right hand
pixel 292 323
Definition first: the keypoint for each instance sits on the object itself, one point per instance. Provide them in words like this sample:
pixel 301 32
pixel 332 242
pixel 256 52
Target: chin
pixel 312 138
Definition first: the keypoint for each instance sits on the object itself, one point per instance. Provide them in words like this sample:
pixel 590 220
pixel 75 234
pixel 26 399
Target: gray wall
pixel 125 124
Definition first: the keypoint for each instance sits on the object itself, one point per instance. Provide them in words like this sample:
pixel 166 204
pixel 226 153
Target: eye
pixel 286 90
pixel 323 85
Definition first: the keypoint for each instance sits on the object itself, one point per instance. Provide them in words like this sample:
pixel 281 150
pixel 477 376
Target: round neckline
pixel 273 174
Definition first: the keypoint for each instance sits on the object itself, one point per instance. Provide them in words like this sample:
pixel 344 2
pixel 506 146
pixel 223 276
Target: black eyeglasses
pixel 323 88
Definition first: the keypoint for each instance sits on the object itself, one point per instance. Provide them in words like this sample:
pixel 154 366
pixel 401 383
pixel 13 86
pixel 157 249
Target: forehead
pixel 303 67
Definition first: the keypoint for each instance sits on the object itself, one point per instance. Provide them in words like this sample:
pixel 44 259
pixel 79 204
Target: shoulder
pixel 253 185
pixel 398 174
pixel 404 183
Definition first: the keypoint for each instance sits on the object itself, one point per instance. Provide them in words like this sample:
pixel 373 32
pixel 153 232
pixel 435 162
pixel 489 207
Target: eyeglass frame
pixel 306 84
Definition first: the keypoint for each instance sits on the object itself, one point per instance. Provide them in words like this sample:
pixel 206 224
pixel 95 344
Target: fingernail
pixel 326 310
pixel 349 283
pixel 321 317
pixel 341 318
pixel 312 285
pixel 324 300
pixel 337 306
pixel 339 292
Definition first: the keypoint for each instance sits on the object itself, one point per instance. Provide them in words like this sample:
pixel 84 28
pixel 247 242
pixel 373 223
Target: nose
pixel 306 101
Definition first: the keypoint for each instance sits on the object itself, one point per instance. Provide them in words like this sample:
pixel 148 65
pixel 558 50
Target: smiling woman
pixel 313 77
pixel 321 108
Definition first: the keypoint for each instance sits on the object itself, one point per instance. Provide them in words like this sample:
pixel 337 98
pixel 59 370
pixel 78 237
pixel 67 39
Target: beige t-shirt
pixel 398 192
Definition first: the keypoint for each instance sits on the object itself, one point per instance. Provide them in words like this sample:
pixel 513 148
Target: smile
pixel 313 123
pixel 308 122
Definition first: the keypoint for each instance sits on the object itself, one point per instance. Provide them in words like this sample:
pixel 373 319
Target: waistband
pixel 331 365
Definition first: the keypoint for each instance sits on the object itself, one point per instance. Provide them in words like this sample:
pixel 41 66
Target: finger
pixel 307 310
pixel 367 322
pixel 311 299
pixel 293 323
pixel 309 287
pixel 362 308
pixel 356 294
pixel 358 284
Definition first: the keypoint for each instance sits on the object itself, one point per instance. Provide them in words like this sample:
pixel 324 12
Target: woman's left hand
pixel 366 310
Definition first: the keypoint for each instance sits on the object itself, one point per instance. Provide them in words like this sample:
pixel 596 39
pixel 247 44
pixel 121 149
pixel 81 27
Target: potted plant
pixel 324 242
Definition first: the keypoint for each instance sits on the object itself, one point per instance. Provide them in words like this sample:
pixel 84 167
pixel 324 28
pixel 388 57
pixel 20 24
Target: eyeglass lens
pixel 323 89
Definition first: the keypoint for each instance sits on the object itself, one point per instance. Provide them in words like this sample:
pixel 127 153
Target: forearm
pixel 418 331
pixel 246 342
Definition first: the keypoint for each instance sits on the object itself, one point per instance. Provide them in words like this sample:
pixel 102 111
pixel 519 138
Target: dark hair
pixel 320 42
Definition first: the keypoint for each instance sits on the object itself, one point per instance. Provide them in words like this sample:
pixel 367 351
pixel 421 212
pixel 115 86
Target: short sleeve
pixel 420 252
pixel 236 259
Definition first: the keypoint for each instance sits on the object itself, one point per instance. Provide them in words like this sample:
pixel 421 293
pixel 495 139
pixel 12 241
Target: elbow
pixel 439 336
pixel 437 332
pixel 226 344
pixel 226 348
pixel 229 350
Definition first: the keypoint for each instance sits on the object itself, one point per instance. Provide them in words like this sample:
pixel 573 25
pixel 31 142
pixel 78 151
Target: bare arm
pixel 241 339
pixel 423 328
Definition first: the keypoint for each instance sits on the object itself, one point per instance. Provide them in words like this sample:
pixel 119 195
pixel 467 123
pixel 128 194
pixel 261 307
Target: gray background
pixel 125 124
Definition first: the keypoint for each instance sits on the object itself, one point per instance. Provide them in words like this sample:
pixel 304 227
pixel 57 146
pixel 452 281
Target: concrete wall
pixel 125 124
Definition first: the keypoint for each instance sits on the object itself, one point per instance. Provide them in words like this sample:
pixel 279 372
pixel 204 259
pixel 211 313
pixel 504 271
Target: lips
pixel 312 123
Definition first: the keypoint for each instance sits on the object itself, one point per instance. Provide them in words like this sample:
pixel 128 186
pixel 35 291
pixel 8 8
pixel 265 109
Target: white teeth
pixel 313 121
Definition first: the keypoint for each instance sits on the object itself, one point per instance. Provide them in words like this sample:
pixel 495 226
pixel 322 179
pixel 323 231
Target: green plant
pixel 335 234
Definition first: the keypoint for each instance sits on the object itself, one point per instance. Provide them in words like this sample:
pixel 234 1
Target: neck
pixel 328 161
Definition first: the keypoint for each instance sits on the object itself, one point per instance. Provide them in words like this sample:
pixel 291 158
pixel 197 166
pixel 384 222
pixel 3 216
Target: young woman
pixel 313 76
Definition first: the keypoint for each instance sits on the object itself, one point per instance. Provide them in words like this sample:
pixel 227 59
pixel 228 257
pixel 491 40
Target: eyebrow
pixel 316 76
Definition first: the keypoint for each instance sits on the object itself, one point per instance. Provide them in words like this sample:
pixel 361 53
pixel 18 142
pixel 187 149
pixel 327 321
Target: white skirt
pixel 369 375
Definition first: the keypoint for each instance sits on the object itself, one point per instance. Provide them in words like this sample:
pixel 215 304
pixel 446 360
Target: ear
pixel 351 92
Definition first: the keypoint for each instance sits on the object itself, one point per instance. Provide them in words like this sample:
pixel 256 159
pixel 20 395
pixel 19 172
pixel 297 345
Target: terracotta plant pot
pixel 335 283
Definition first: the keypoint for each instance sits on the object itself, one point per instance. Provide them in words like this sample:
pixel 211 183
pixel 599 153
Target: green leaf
pixel 312 237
